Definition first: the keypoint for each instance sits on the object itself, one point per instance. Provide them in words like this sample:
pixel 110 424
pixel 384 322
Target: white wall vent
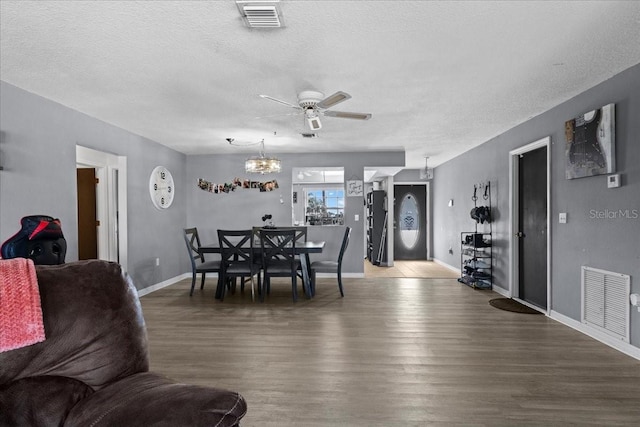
pixel 260 14
pixel 605 301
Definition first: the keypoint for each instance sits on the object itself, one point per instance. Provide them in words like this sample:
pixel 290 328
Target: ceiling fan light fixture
pixel 260 14
pixel 314 123
pixel 312 119
pixel 312 104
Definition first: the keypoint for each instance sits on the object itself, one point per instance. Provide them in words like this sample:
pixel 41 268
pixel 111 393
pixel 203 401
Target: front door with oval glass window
pixel 410 222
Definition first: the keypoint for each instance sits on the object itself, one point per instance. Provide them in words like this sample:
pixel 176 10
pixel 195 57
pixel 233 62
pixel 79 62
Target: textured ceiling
pixel 438 77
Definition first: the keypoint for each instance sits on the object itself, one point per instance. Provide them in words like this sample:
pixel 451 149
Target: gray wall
pixel 609 244
pixel 38 140
pixel 245 207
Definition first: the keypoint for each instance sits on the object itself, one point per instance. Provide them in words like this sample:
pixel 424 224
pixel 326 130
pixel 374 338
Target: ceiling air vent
pixel 260 14
pixel 309 135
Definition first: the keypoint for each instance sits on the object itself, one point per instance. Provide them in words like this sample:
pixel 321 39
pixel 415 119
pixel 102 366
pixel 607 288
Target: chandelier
pixel 262 164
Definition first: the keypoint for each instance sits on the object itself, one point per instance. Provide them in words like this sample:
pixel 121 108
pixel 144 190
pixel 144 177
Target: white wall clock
pixel 161 187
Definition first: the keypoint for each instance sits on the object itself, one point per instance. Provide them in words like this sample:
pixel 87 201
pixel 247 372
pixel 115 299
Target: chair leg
pixel 202 281
pixel 193 283
pixel 313 283
pixel 340 283
pixel 223 282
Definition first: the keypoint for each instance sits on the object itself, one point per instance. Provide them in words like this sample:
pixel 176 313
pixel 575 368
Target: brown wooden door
pixel 87 223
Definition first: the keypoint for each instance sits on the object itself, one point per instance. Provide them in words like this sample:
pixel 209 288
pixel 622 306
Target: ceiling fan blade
pixel 280 101
pixel 348 115
pixel 334 99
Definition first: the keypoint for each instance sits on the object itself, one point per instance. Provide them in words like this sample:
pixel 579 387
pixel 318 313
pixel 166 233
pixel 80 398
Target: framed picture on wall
pixel 590 143
pixel 355 188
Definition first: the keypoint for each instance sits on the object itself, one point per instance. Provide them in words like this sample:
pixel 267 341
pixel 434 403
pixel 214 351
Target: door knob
pixel 520 234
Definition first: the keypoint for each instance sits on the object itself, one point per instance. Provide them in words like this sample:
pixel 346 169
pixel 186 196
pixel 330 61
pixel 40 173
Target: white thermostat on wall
pixel 613 181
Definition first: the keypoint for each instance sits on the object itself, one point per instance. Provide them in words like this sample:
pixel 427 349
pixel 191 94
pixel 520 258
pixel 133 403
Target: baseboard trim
pixel 169 282
pixel 621 346
pixel 444 264
pixel 164 284
pixel 501 291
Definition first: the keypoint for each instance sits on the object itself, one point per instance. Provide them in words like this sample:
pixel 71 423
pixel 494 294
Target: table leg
pixel 306 281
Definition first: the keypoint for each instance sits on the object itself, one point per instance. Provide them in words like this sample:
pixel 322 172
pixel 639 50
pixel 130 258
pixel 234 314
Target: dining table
pixel 302 250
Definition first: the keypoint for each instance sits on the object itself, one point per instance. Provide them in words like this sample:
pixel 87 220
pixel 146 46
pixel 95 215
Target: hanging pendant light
pixel 426 173
pixel 262 164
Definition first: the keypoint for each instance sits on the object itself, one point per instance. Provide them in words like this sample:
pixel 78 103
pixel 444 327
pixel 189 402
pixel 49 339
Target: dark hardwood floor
pixel 420 352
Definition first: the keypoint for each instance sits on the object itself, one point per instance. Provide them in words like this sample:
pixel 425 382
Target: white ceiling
pixel 438 77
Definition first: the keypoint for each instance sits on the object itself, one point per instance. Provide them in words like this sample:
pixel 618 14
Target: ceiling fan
pixel 312 104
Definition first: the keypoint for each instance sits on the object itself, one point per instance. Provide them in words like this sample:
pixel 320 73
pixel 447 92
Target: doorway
pixel 110 171
pixel 530 226
pixel 410 222
pixel 87 220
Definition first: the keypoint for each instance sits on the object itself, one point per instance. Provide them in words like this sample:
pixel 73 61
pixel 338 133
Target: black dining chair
pixel 301 236
pixel 277 250
pixel 236 250
pixel 198 263
pixel 331 266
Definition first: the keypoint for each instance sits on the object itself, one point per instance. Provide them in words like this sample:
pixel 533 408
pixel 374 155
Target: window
pixel 324 206
pixel 317 195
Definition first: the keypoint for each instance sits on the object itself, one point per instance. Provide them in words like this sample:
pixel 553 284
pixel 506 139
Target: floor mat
pixel 509 304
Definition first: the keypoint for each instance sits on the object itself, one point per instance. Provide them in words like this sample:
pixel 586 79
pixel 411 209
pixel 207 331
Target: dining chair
pixel 198 263
pixel 301 236
pixel 277 249
pixel 331 266
pixel 236 250
pixel 301 232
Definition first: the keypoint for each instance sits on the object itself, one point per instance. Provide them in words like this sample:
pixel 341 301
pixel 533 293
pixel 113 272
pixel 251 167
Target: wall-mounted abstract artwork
pixel 590 143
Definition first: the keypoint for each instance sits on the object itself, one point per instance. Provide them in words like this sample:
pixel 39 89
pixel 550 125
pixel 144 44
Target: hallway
pixel 421 269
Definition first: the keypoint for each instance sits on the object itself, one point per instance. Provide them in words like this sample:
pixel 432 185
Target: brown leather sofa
pixel 93 367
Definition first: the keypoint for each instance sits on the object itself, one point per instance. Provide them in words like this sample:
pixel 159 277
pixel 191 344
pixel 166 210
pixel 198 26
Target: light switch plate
pixel 562 218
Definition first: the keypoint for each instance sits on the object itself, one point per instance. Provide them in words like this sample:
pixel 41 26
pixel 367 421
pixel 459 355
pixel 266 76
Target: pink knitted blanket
pixel 20 311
